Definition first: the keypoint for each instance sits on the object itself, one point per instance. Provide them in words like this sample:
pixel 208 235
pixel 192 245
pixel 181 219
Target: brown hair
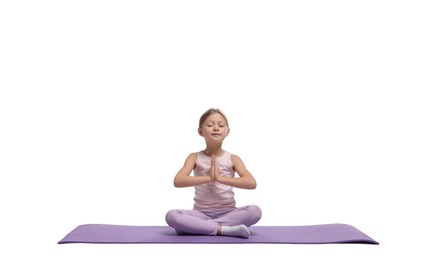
pixel 210 112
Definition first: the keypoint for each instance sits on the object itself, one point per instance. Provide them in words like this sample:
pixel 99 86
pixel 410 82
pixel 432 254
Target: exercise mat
pixel 123 234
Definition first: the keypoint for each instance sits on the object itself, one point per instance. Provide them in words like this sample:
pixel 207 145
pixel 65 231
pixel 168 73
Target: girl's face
pixel 214 128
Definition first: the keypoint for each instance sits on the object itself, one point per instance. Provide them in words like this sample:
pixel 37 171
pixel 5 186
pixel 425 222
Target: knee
pixel 171 216
pixel 256 212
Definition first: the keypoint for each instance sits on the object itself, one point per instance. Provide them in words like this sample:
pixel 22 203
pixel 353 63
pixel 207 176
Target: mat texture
pixel 121 234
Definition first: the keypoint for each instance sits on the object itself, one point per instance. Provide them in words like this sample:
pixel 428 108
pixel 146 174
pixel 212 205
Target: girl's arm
pixel 183 178
pixel 245 181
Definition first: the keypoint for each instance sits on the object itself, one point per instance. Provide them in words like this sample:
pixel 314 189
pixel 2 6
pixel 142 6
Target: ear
pixel 228 131
pixel 200 131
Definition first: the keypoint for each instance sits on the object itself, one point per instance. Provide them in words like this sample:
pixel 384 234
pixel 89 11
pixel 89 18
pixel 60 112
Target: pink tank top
pixel 213 194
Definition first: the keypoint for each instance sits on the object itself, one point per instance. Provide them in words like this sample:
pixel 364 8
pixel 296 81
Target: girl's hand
pixel 212 168
pixel 215 172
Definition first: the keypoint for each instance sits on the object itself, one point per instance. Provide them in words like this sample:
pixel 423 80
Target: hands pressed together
pixel 215 173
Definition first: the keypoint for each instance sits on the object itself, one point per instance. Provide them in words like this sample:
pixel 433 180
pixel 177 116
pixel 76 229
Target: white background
pixel 329 105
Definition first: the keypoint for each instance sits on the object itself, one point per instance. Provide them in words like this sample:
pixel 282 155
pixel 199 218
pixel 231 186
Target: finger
pixel 212 169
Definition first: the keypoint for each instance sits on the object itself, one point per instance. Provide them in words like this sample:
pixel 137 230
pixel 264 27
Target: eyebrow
pixel 219 122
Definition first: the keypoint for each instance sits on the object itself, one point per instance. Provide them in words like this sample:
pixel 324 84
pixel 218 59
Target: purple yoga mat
pixel 120 234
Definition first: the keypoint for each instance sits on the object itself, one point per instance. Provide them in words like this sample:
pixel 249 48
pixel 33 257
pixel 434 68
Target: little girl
pixel 214 212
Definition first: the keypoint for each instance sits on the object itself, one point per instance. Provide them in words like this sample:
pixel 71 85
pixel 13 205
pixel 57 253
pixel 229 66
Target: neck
pixel 216 150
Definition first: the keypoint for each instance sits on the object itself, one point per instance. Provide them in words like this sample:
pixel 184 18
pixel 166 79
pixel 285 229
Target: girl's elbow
pixel 177 183
pixel 253 185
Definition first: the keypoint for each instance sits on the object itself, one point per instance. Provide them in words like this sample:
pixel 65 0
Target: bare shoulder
pixel 236 160
pixel 191 159
pixel 192 155
pixel 189 164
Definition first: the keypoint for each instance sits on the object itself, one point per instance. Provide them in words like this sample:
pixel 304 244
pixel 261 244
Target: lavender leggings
pixel 205 221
